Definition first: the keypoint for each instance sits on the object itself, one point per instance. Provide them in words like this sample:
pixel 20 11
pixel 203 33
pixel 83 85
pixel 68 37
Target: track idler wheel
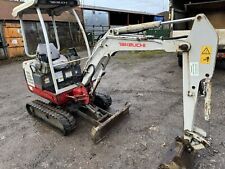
pixel 179 156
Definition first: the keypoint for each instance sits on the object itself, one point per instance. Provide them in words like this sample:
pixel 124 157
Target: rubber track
pixel 64 118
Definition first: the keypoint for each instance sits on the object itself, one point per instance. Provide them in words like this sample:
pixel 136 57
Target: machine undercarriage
pixel 52 115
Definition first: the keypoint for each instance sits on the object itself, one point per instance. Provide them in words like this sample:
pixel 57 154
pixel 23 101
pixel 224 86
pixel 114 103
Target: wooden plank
pixel 15 52
pixel 11 25
pixel 11 32
pixel 14 42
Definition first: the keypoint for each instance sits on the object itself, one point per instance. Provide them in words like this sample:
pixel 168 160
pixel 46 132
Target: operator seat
pixel 57 58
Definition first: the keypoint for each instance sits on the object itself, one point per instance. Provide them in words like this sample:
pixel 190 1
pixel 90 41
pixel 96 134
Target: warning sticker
pixel 206 53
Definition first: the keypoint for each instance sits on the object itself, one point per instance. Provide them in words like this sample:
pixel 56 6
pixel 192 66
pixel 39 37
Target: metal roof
pixel 6 8
pixel 97 8
pixel 56 7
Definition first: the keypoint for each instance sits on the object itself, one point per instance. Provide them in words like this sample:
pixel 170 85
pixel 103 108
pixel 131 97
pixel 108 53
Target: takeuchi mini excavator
pixel 71 91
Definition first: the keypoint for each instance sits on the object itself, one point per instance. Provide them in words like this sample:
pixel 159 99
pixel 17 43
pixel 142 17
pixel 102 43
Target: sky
pixel 150 6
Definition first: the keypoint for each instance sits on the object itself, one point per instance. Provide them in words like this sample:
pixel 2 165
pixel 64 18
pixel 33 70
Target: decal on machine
pixel 206 52
pixel 29 78
pixel 194 69
pixel 68 74
pixel 59 76
pixel 28 73
pixel 135 45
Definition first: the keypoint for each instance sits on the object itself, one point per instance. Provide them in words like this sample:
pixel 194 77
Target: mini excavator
pixel 71 91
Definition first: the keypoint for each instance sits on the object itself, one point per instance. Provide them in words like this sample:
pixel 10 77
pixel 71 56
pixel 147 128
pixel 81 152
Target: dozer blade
pixel 179 156
pixel 99 132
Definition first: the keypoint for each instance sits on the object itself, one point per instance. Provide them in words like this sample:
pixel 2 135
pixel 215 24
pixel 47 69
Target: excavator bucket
pixel 179 156
pixel 99 132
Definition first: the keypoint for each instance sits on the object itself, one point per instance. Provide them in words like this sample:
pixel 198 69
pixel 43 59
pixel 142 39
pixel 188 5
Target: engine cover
pixel 66 76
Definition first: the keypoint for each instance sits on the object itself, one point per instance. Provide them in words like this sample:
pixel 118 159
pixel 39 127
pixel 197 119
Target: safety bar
pixel 25 39
pixel 45 33
pixel 76 60
pixel 83 32
pixel 178 21
pixel 56 32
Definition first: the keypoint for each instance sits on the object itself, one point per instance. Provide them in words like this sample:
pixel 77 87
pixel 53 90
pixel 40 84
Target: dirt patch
pixel 151 82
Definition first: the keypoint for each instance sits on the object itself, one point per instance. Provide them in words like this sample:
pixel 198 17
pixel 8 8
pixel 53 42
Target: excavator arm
pixel 199 56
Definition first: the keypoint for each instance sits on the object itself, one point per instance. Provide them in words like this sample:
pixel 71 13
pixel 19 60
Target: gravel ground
pixel 151 82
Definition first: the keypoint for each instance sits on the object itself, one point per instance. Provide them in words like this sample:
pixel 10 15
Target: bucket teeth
pixel 99 132
pixel 179 156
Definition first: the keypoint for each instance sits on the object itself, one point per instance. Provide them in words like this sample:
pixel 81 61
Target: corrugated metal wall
pixel 2 46
pixel 214 10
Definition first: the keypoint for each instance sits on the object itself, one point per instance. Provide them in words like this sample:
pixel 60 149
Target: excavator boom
pixel 199 57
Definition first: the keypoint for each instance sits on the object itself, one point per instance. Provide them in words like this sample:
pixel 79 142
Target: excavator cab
pixel 67 73
pixel 50 70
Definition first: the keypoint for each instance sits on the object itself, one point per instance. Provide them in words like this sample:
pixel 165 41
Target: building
pixel 11 43
pixel 98 20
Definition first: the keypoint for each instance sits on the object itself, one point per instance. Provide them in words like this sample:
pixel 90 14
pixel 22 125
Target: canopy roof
pixel 50 7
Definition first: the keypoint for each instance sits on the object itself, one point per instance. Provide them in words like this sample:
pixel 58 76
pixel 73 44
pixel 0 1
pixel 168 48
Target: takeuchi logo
pixel 136 45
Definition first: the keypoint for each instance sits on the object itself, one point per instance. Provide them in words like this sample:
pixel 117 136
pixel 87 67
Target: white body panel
pixel 220 33
pixel 28 72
